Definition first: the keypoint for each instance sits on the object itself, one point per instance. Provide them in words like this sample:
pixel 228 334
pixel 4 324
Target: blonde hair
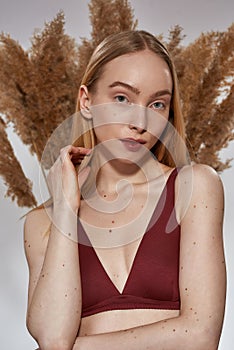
pixel 120 44
pixel 114 46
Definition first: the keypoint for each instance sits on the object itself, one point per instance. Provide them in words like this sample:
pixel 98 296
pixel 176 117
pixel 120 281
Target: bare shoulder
pixel 36 232
pixel 199 186
pixel 203 177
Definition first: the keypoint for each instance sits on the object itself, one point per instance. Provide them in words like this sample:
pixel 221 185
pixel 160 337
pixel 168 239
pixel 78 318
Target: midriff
pixel 110 321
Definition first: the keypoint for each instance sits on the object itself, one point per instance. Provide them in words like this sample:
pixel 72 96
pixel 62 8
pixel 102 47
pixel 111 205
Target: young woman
pixel 144 268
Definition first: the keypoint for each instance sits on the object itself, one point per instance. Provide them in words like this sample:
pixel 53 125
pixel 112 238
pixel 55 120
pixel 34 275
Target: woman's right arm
pixel 54 298
pixel 54 302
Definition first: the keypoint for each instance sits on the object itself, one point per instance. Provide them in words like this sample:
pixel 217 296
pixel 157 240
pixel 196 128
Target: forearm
pixel 172 334
pixel 55 308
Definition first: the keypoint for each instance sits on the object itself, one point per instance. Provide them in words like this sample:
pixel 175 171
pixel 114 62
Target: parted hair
pixel 128 42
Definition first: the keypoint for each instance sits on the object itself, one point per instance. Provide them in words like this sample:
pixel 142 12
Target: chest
pixel 135 265
pixel 115 236
pixel 147 265
pixel 140 248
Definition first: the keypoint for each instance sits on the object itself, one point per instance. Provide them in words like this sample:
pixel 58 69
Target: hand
pixel 63 180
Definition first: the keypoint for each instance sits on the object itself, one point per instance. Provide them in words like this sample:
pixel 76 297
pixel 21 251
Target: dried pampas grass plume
pixel 39 86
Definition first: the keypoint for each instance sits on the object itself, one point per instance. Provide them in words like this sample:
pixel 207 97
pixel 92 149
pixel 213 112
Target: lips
pixel 132 144
pixel 131 139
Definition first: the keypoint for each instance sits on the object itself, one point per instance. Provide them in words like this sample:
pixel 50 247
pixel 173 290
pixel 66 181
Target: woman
pixel 149 272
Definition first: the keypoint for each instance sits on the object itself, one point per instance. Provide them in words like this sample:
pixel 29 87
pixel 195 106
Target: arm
pixel 54 302
pixel 54 291
pixel 202 281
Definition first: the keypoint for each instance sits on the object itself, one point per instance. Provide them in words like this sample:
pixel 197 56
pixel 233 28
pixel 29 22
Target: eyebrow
pixel 136 91
pixel 125 85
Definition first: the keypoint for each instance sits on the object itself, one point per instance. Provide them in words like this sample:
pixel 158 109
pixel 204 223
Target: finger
pixel 64 152
pixel 72 152
pixel 77 156
pixel 80 151
pixel 77 161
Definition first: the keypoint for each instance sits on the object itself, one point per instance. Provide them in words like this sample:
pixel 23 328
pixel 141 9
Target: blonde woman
pixel 134 257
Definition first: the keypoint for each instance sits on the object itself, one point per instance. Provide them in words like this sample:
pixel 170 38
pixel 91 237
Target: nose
pixel 139 119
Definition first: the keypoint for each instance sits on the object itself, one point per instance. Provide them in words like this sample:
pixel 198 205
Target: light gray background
pixel 19 18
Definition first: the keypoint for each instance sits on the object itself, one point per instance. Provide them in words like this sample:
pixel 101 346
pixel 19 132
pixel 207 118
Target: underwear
pixel 153 281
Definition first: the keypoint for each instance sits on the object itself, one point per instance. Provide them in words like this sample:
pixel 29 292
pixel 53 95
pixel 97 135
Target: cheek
pixel 156 127
pixel 105 132
pixel 106 121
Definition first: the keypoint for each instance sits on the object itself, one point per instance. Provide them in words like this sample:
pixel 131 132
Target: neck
pixel 113 171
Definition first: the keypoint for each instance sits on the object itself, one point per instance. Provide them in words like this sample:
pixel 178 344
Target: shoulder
pixel 198 186
pixel 203 178
pixel 37 221
pixel 36 232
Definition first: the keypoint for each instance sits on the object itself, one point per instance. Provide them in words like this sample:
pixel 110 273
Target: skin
pixel 54 304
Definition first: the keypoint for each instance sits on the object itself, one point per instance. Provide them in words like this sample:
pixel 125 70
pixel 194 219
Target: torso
pixel 117 261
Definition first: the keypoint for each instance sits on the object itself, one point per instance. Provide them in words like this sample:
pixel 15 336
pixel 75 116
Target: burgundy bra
pixel 153 282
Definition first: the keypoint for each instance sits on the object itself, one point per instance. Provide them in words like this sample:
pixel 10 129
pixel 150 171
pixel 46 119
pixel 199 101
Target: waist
pixel 115 320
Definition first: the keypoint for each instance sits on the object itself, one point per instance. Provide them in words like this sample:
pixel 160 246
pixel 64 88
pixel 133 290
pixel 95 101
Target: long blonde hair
pixel 117 45
pixel 120 44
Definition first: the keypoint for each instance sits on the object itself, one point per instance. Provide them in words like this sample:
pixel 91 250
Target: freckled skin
pixel 188 259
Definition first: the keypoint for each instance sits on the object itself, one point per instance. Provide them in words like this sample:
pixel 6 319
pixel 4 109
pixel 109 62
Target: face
pixel 131 103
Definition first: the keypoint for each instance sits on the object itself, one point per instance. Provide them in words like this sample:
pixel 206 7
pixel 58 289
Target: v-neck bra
pixel 153 281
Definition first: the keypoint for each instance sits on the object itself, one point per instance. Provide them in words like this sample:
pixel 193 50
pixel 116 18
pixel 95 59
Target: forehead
pixel 143 68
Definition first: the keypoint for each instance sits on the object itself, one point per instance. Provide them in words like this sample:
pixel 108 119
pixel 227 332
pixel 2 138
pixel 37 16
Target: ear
pixel 85 103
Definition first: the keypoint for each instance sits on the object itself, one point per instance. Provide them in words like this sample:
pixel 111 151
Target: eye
pixel 158 105
pixel 121 99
